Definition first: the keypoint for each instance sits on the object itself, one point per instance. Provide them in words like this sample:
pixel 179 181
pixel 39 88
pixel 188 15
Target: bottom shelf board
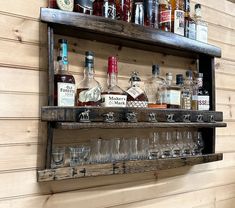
pixel 124 167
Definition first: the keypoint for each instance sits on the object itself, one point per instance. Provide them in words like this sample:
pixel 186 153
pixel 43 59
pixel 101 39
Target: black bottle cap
pixel 155 69
pixel 189 73
pixel 89 59
pixel 63 41
pixel 135 77
pixel 179 79
pixel 59 58
pixel 197 6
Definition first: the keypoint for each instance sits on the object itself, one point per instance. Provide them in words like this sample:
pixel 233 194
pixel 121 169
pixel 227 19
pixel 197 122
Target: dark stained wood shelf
pixel 125 125
pixel 124 167
pixel 124 34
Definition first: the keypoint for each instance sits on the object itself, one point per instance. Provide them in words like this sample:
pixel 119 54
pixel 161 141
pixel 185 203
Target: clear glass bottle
pixel 151 13
pixel 173 93
pixel 155 88
pixel 203 95
pixel 201 26
pixel 88 90
pixel 64 83
pixel 164 15
pixel 187 91
pixel 177 17
pixel 136 97
pixel 190 24
pixel 138 12
pixel 113 95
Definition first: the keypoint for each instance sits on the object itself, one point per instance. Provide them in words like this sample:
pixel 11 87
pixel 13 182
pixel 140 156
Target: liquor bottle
pixel 88 90
pixel 138 12
pixel 84 6
pixel 173 92
pixel 97 7
pixel 203 95
pixel 113 95
pixel 201 26
pixel 177 17
pixel 151 13
pixel 190 24
pixel 155 88
pixel 187 91
pixel 64 83
pixel 136 97
pixel 164 15
pixel 109 9
pixel 124 10
pixel 66 5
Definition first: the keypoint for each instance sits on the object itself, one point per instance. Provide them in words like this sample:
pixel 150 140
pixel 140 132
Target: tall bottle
pixel 113 95
pixel 136 97
pixel 138 12
pixel 165 15
pixel 190 24
pixel 124 10
pixel 187 91
pixel 201 26
pixel 151 13
pixel 203 95
pixel 155 88
pixel 173 93
pixel 64 83
pixel 88 90
pixel 177 17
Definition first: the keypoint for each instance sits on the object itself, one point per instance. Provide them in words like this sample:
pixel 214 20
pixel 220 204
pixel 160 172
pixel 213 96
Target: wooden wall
pixel 23 89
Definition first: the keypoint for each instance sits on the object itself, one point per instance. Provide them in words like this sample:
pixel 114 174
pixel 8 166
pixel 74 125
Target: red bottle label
pixel 165 16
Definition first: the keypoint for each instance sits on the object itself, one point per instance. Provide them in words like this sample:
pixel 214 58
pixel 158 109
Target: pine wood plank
pixel 228 131
pixel 225 143
pixel 228 111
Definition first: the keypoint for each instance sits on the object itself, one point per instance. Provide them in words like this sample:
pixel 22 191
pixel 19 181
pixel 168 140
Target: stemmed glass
pixel 133 148
pixel 115 146
pixel 105 151
pixel 177 144
pixel 58 157
pixel 154 146
pixel 166 144
pixel 142 148
pixel 200 143
pixel 124 149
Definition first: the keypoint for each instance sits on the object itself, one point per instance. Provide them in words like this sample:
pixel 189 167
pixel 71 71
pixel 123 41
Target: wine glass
pixel 154 146
pixel 200 143
pixel 58 157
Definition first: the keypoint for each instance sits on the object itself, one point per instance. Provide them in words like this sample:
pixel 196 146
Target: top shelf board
pixel 124 34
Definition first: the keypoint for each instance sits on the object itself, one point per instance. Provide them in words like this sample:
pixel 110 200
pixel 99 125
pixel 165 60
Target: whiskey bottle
pixel 164 15
pixel 177 17
pixel 64 83
pixel 151 13
pixel 113 95
pixel 138 12
pixel 88 90
pixel 203 95
pixel 155 88
pixel 190 24
pixel 201 26
pixel 187 91
pixel 136 97
pixel 173 92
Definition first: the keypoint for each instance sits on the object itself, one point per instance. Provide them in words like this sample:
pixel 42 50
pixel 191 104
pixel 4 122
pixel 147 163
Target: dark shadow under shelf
pixel 124 167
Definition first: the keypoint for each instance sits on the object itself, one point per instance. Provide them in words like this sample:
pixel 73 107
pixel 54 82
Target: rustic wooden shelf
pixel 124 34
pixel 124 125
pixel 124 167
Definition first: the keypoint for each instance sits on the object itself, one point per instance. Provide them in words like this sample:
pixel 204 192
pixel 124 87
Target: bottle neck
pixel 89 72
pixel 135 84
pixel 199 82
pixel 62 67
pixel 112 80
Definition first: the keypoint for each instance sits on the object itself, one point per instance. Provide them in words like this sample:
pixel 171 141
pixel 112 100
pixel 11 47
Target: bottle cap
pixel 89 59
pixel 189 73
pixel 112 65
pixel 155 69
pixel 59 58
pixel 197 6
pixel 62 41
pixel 179 79
pixel 135 77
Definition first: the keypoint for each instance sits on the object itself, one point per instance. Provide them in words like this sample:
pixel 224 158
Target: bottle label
pixel 179 22
pixel 165 16
pixel 65 94
pixel 173 97
pixel 90 95
pixel 112 100
pixel 109 10
pixel 201 33
pixel 203 102
pixel 66 5
pixel 135 92
pixel 191 30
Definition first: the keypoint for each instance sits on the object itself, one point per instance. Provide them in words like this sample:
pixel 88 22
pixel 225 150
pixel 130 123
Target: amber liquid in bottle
pixel 164 15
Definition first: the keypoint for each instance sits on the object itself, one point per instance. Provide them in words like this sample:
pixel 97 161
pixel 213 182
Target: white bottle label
pixel 90 95
pixel 179 22
pixel 173 97
pixel 201 34
pixel 112 100
pixel 135 92
pixel 66 5
pixel 65 94
pixel 203 102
